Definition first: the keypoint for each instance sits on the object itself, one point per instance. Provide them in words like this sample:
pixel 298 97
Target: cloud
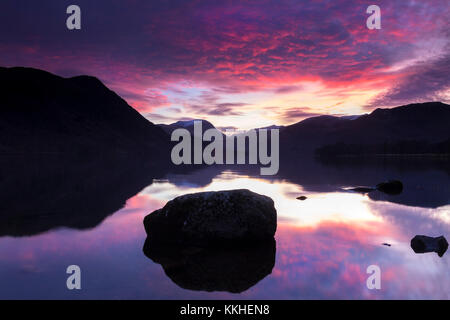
pixel 156 98
pixel 292 115
pixel 142 49
pixel 146 101
pixel 287 89
pixel 219 109
pixel 223 42
pixel 227 128
pixel 160 118
pixel 425 81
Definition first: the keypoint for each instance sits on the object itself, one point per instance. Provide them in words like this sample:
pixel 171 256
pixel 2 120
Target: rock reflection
pixel 231 269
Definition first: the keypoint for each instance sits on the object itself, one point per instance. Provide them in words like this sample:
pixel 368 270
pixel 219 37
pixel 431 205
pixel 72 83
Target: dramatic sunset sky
pixel 240 64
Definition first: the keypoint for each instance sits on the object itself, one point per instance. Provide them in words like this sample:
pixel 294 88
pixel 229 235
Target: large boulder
pixel 214 218
pixel 423 244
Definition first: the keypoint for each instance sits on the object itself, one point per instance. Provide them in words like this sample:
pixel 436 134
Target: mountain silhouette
pixel 44 113
pixel 426 122
pixel 71 152
pixel 188 125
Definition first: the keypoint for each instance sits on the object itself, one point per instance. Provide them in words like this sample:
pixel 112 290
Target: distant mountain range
pixel 422 122
pixel 44 113
pixel 188 125
pixel 415 128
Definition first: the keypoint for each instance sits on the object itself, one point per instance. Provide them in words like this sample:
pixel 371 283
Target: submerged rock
pixel 362 189
pixel 213 218
pixel 423 244
pixel 391 187
pixel 231 269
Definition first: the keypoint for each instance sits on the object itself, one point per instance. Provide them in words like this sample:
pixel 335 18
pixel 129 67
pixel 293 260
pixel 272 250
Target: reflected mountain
pixel 193 176
pixel 231 269
pixel 43 193
pixel 72 151
pixel 426 181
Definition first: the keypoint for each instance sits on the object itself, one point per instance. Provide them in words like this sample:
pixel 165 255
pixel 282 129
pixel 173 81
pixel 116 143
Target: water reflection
pixel 43 193
pixel 323 244
pixel 233 269
pixel 426 181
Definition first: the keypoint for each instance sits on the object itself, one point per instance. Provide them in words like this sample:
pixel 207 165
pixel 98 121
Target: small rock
pixel 302 198
pixel 362 189
pixel 423 244
pixel 391 187
pixel 386 244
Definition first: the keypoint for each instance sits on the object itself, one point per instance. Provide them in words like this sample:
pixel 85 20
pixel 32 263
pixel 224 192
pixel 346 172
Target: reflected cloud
pixel 323 244
pixel 330 261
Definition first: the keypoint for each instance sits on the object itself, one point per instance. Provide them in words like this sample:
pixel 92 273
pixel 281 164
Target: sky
pixel 240 64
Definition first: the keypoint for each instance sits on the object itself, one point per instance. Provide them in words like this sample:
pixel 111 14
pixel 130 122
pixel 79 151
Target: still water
pixel 323 244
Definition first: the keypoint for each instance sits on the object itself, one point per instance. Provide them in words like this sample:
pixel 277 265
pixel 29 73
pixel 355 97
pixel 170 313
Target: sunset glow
pixel 241 65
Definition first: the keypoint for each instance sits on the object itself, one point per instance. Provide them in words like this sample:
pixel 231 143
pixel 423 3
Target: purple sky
pixel 240 63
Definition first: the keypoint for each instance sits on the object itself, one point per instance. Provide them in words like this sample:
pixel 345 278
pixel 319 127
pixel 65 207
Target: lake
pixel 324 244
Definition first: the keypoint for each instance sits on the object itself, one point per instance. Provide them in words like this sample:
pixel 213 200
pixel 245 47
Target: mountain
pixel 188 125
pixel 351 117
pixel 423 122
pixel 402 147
pixel 274 126
pixel 44 113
